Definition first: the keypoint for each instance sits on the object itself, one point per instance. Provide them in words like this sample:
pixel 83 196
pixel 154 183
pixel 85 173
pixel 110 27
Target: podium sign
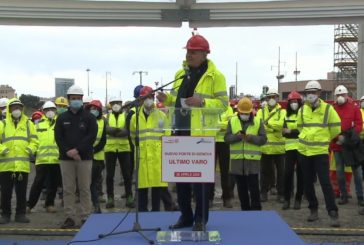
pixel 188 159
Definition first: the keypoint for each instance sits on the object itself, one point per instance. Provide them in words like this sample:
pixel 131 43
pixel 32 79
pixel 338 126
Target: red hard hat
pixel 37 115
pixel 198 42
pixel 146 90
pixel 96 103
pixel 294 96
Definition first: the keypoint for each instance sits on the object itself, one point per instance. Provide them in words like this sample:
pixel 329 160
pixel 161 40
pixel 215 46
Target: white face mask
pixel 311 98
pixel 148 102
pixel 50 114
pixel 294 106
pixel 341 99
pixel 244 117
pixel 263 104
pixel 16 113
pixel 362 104
pixel 272 102
pixel 116 107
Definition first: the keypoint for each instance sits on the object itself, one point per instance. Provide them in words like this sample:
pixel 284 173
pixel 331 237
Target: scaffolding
pixel 346 52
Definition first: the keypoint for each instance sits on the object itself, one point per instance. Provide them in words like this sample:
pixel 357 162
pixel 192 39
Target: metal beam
pixel 129 13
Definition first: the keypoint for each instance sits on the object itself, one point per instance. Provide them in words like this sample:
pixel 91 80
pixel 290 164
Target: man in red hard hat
pixel 198 85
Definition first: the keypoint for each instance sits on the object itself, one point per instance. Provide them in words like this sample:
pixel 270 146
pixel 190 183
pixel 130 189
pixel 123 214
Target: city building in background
pixel 328 87
pixel 62 85
pixel 7 91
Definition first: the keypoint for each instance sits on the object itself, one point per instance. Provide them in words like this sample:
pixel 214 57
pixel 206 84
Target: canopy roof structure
pixel 173 13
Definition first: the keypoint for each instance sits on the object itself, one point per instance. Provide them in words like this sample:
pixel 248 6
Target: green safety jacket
pixel 47 152
pixel 116 144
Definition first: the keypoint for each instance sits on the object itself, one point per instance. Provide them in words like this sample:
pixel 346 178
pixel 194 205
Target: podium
pixel 189 159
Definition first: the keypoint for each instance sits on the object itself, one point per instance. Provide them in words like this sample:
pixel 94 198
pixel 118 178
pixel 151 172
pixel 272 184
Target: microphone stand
pixel 136 226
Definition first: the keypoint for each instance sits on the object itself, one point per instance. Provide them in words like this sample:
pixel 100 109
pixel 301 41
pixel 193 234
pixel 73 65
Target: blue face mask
pixel 95 113
pixel 76 104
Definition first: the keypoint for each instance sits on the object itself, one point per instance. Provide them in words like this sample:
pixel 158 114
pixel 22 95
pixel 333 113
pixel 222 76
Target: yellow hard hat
pixel 245 105
pixel 62 101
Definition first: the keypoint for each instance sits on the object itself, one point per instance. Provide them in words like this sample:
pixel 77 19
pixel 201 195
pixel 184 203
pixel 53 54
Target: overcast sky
pixel 31 57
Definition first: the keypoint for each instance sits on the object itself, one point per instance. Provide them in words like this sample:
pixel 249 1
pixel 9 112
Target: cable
pixel 101 236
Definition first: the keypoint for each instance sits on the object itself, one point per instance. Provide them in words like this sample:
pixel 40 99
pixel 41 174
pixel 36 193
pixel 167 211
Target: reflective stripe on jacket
pixel 17 143
pixel 273 123
pixel 116 144
pixel 100 127
pixel 241 149
pixel 47 152
pixel 150 141
pixel 291 122
pixel 317 128
pixel 212 88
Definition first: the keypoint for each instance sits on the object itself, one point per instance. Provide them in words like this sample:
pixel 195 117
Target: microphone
pixel 187 72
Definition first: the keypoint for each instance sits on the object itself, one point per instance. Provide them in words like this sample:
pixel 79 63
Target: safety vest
pixel 100 128
pixel 291 122
pixel 116 144
pixel 317 128
pixel 273 122
pixel 19 142
pixel 223 123
pixel 47 152
pixel 212 88
pixel 150 142
pixel 241 149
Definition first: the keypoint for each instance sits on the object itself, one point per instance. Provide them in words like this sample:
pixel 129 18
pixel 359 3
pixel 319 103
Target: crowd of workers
pixel 72 143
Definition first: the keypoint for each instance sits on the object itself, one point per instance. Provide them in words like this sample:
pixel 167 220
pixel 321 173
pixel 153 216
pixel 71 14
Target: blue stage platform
pixel 253 228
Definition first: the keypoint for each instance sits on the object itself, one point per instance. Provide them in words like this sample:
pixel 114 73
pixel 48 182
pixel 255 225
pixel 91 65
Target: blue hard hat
pixel 137 90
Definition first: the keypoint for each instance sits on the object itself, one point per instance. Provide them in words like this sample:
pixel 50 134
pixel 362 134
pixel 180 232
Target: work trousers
pixel 96 177
pixel 248 191
pixel 143 199
pixel 312 166
pixel 8 181
pixel 125 165
pixel 269 165
pixel 289 169
pixel 184 196
pixel 49 174
pixel 80 170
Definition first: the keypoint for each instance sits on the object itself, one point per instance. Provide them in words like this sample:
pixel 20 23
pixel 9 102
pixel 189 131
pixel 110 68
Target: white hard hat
pixel 272 91
pixel 362 98
pixel 115 99
pixel 49 104
pixel 3 102
pixel 341 89
pixel 75 89
pixel 313 86
pixel 86 99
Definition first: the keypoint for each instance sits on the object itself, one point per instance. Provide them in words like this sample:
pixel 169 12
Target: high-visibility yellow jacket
pixel 150 142
pixel 212 88
pixel 17 143
pixel 273 123
pixel 241 149
pixel 47 152
pixel 223 123
pixel 291 122
pixel 362 132
pixel 317 128
pixel 116 144
pixel 100 129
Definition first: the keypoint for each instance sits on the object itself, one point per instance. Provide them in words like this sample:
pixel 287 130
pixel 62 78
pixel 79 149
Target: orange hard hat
pixel 198 42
